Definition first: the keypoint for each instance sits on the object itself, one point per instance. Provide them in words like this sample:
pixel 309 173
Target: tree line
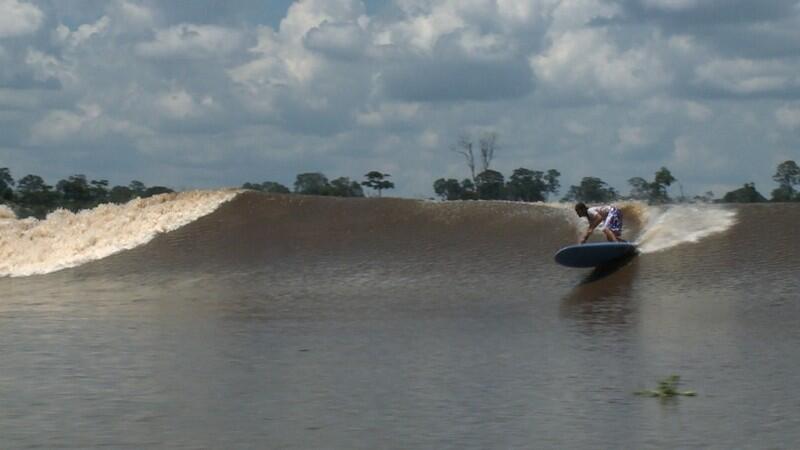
pixel 32 196
pixel 535 185
pixel 316 183
pixel 528 185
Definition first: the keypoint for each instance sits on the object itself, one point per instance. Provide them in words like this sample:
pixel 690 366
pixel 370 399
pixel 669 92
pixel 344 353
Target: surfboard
pixel 593 254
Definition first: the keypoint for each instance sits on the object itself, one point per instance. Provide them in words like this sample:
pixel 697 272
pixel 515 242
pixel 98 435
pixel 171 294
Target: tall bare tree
pixel 488 144
pixel 464 147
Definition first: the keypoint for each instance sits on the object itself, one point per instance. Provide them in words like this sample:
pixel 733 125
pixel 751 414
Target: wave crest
pixel 65 239
pixel 667 227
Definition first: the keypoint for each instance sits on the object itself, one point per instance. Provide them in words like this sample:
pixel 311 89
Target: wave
pixel 666 227
pixel 65 239
pixel 266 230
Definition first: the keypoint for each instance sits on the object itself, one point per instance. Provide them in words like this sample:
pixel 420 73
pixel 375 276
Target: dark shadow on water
pixel 603 300
pixel 605 270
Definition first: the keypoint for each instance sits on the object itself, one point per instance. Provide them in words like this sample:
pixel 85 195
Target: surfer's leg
pixel 610 235
pixel 613 225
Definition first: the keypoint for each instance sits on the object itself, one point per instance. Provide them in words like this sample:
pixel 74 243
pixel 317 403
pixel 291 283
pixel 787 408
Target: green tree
pixel 708 197
pixel 787 175
pixel 344 187
pixel 36 197
pixel 121 194
pixel 526 185
pixel 268 186
pixel 311 183
pixel 784 194
pixel 448 189
pixel 156 190
pixel 640 188
pixel 551 179
pixel 591 189
pixel 468 190
pixel 99 191
pixel 378 181
pixel 75 192
pixel 490 185
pixel 274 187
pixel 6 185
pixel 655 191
pixel 532 185
pixel 745 194
pixel 662 181
pixel 137 187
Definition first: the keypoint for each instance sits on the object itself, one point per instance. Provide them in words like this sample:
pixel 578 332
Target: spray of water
pixel 65 239
pixel 667 227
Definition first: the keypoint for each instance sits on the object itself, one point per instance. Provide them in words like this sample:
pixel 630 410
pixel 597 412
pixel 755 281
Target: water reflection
pixel 603 297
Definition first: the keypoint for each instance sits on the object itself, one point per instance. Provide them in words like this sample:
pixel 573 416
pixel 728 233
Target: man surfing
pixel 608 215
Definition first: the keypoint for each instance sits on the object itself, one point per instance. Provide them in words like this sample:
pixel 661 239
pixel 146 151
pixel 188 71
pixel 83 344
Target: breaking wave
pixel 669 226
pixel 276 231
pixel 65 239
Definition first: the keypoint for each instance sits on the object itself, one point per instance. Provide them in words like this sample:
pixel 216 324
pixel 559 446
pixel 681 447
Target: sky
pixel 213 93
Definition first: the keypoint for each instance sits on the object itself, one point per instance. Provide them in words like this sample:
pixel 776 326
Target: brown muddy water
pixel 303 322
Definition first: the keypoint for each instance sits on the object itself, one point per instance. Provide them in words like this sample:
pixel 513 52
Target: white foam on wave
pixel 65 239
pixel 667 227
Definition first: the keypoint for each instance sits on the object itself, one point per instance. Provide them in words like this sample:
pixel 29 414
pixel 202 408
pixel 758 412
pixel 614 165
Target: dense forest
pixel 32 196
pixel 535 185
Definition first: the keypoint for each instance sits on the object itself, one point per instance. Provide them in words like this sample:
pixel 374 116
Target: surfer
pixel 608 215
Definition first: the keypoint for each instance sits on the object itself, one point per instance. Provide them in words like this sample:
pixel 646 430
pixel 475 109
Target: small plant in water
pixel 667 388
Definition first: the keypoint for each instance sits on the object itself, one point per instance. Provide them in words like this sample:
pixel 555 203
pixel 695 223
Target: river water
pixel 244 320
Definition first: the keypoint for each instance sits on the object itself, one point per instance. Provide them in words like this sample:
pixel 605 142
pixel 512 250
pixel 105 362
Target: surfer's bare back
pixel 608 215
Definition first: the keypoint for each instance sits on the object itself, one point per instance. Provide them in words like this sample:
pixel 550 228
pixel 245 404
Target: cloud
pixel 687 14
pixel 586 64
pixel 434 79
pixel 342 40
pixel 697 111
pixel 84 124
pixel 65 36
pixel 213 93
pixel 135 16
pixel 788 117
pixel 742 76
pixel 632 136
pixel 387 113
pixel 19 18
pixel 179 104
pixel 47 67
pixel 191 41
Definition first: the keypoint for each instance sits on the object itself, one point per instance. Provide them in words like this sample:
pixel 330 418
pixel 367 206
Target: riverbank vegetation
pixel 32 196
pixel 667 388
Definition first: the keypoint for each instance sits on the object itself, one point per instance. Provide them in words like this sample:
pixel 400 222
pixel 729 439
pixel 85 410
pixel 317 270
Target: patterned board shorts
pixel 614 221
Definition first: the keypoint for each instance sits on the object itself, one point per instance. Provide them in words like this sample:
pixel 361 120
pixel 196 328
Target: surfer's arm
pixel 592 226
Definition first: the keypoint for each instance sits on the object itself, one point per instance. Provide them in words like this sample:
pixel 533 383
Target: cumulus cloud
pixel 179 104
pixel 747 77
pixel 86 123
pixel 345 40
pixel 235 90
pixel 19 18
pixel 191 41
pixel 84 32
pixel 632 136
pixel 387 113
pixel 48 67
pixel 587 64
